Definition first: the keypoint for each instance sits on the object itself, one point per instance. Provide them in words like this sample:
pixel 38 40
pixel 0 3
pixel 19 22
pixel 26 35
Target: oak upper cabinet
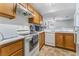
pixel 69 41
pixel 8 10
pixel 41 39
pixel 30 8
pixel 59 40
pixel 13 48
pixel 36 18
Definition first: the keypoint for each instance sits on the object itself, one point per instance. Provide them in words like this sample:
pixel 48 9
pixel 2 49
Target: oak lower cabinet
pixel 8 10
pixel 59 42
pixel 41 40
pixel 65 40
pixel 69 41
pixel 15 48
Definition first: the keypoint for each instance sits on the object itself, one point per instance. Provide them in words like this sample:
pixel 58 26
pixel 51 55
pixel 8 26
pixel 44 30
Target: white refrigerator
pixel 49 33
pixel 76 24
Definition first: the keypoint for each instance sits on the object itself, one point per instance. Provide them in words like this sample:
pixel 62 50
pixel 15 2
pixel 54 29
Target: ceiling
pixel 56 10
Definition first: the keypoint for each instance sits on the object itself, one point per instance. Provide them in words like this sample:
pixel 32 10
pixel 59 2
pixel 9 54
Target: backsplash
pixel 8 31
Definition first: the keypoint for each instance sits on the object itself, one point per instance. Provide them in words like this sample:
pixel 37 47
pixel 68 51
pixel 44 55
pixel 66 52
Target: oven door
pixel 35 39
pixel 33 42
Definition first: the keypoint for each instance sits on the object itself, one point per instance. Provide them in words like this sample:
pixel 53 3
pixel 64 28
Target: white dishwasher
pixel 50 38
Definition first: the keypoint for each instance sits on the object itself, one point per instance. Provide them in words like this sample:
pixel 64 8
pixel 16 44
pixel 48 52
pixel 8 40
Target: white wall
pixel 61 24
pixel 65 24
pixel 19 20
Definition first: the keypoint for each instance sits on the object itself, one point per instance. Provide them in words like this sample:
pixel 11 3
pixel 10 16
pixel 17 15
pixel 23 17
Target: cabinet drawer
pixel 18 53
pixel 11 48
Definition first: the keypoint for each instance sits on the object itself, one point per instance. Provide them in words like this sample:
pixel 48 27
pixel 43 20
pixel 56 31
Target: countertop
pixel 11 39
pixel 65 31
pixel 18 38
pixel 40 32
pixel 36 33
pixel 61 31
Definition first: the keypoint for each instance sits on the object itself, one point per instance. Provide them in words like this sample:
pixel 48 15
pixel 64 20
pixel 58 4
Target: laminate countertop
pixel 5 41
pixel 20 37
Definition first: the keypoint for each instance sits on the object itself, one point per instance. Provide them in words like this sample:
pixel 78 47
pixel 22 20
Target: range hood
pixel 24 11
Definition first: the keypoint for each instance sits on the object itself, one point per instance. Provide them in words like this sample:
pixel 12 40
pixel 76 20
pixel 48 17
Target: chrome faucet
pixel 2 36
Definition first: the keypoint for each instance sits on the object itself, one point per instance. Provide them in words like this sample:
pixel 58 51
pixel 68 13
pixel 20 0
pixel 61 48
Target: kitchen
pixel 38 29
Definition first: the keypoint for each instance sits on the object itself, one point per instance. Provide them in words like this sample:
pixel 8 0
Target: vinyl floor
pixel 52 51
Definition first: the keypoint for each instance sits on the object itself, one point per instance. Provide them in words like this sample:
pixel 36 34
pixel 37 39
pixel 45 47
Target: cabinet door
pixel 7 10
pixel 18 53
pixel 30 8
pixel 69 41
pixel 59 40
pixel 41 40
pixel 36 17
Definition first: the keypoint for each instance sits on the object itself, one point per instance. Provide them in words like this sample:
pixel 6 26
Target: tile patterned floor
pixel 52 51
